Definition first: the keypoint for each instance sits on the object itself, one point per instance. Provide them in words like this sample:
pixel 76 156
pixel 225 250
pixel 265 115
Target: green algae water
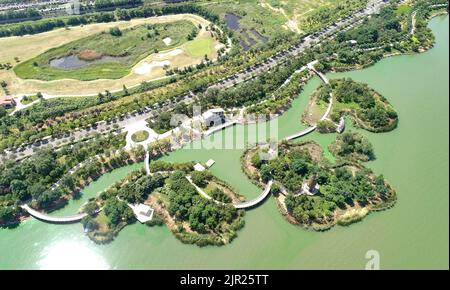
pixel 414 158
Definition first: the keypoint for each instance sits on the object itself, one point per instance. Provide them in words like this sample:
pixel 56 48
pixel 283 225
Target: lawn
pixel 132 46
pixel 140 136
pixel 199 47
pixel 403 9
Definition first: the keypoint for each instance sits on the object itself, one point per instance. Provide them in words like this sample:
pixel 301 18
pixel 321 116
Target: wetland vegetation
pixel 105 55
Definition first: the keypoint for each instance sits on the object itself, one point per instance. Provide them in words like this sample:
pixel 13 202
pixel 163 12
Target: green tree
pixel 201 178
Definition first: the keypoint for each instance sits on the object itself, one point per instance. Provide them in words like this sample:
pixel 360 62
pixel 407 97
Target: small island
pixel 352 146
pixel 368 109
pixel 313 192
pixel 195 205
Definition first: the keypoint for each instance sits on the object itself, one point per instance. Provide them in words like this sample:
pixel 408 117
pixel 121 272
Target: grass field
pixel 403 9
pixel 132 46
pixel 31 46
pixel 199 47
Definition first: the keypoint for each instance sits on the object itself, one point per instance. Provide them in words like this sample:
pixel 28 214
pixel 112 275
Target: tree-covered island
pixel 191 217
pixel 368 109
pixel 315 193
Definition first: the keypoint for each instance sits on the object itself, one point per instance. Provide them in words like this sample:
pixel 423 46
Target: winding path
pixel 301 134
pixel 413 23
pixel 263 195
pixel 242 205
pixel 309 41
pixel 147 162
pixel 256 201
pixel 327 112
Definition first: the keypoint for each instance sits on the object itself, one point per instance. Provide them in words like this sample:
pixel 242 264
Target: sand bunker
pixel 167 41
pixel 174 52
pixel 219 46
pixel 146 67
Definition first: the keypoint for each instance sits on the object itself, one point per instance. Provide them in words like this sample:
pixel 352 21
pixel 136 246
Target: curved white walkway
pixel 256 201
pixel 52 219
pixel 327 112
pixel 243 205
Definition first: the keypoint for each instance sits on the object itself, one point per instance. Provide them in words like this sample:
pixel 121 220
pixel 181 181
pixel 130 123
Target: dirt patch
pixel 161 210
pixel 89 55
pixel 314 111
pixel 248 166
pixel 314 149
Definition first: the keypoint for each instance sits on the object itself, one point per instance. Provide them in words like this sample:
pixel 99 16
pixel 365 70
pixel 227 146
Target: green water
pixel 413 234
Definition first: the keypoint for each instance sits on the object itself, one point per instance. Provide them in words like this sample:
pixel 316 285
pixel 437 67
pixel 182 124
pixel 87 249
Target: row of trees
pixel 44 25
pixel 35 130
pixel 19 15
pixel 44 119
pixel 162 166
pixel 386 32
pixel 254 91
pixel 327 14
